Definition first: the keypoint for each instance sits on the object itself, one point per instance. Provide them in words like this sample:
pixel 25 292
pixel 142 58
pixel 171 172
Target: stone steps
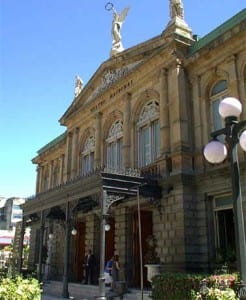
pixel 87 292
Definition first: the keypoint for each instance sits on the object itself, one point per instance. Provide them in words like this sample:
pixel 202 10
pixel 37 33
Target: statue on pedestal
pixel 78 86
pixel 118 19
pixel 176 9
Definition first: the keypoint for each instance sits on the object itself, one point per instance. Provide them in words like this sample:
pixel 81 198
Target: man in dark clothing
pixel 90 264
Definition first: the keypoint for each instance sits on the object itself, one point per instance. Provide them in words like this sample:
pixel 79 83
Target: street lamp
pixel 216 152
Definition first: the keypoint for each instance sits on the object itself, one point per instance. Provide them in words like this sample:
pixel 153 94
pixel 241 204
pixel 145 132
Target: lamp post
pixel 216 152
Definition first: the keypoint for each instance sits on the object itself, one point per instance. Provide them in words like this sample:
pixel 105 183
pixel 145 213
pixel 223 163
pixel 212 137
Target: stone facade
pixel 168 80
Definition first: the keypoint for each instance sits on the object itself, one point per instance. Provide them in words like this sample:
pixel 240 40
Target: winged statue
pixel 118 19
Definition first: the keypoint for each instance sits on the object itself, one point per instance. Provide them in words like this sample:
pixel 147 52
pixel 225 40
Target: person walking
pixel 108 272
pixel 115 271
pixel 90 264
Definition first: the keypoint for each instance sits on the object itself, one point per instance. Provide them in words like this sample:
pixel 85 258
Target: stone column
pixel 164 113
pixel 121 230
pixel 41 236
pixel 74 157
pixel 206 129
pixel 179 124
pixel 242 96
pixel 98 142
pixel 198 125
pixel 67 168
pixel 62 157
pixel 39 179
pixel 50 174
pixel 127 131
pixel 233 76
pixel 65 293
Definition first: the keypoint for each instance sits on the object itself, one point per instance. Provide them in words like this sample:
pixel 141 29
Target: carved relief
pixel 110 77
pixel 116 129
pixel 89 144
pixel 150 111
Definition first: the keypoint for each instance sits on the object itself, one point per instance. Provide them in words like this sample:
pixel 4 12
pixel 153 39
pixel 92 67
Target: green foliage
pixel 220 287
pixel 175 286
pixel 3 273
pixel 20 289
pixel 217 294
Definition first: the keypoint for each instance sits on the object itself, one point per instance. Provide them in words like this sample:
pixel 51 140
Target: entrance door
pixel 146 230
pixel 225 235
pixel 79 251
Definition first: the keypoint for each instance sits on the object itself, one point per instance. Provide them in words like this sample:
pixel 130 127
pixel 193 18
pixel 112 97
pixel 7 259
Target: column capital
pixel 164 72
pixel 98 115
pixel 127 96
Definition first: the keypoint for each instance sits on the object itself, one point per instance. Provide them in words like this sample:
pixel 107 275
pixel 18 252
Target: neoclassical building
pixel 133 151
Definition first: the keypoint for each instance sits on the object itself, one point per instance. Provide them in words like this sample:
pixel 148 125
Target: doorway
pixel 146 230
pixel 79 255
pixel 225 236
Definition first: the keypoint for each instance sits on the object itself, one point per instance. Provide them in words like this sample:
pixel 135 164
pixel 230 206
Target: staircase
pixel 87 292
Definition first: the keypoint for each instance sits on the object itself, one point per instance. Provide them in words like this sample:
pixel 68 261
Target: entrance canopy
pixel 123 184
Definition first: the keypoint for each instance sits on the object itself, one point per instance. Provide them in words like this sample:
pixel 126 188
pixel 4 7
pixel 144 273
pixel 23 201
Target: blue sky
pixel 44 44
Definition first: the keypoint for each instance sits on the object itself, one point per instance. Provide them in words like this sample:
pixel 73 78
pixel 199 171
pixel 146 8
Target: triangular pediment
pixel 110 76
pixel 112 72
pixel 107 75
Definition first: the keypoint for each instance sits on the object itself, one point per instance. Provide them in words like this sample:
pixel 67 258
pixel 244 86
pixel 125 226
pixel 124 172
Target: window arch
pixel 148 127
pixel 88 155
pixel 114 144
pixel 218 92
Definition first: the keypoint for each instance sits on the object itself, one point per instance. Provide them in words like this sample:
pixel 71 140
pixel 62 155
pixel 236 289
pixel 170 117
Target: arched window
pixel 148 134
pixel 88 155
pixel 218 92
pixel 114 143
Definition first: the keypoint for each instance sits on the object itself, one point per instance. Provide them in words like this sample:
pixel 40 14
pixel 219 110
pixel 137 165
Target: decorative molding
pixel 89 144
pixel 110 76
pixel 149 112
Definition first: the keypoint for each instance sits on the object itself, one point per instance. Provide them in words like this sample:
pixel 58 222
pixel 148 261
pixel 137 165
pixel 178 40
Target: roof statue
pixel 78 86
pixel 176 9
pixel 118 19
pixel 177 24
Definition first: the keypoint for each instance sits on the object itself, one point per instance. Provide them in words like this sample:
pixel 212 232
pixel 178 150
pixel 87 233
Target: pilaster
pixel 127 131
pixel 164 113
pixel 75 152
pixel 198 125
pixel 98 141
pixel 121 237
pixel 67 168
pixel 179 109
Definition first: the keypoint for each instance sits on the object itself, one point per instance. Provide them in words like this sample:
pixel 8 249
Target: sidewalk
pixel 48 297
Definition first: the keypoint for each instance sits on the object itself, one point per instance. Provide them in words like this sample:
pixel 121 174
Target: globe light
pixel 107 227
pixel 230 107
pixel 215 152
pixel 242 140
pixel 74 231
pixel 51 236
